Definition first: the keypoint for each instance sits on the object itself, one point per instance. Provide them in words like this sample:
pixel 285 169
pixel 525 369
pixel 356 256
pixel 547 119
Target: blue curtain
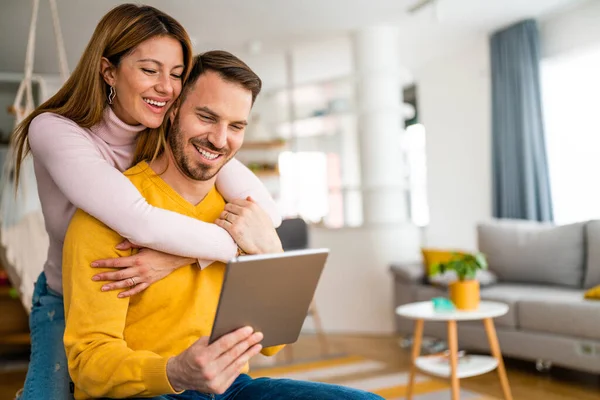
pixel 521 185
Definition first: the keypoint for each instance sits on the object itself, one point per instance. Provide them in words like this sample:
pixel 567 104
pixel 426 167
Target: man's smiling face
pixel 208 128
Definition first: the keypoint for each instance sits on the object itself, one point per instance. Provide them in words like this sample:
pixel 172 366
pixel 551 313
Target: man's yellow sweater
pixel 120 347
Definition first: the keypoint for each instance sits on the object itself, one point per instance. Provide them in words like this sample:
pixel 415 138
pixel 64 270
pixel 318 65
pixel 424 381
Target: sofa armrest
pixel 412 272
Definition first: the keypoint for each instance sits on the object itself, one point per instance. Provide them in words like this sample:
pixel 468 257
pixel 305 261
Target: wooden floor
pixel 525 381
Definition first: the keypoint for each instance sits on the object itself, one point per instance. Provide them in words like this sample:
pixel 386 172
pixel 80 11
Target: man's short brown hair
pixel 228 66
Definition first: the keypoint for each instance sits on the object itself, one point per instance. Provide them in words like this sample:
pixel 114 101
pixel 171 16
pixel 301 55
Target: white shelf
pixel 468 366
pixel 274 144
pixel 322 125
pixel 340 80
pixel 406 78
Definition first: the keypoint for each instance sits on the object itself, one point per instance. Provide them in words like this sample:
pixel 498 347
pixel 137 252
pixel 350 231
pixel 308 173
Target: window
pixel 571 100
pixel 304 185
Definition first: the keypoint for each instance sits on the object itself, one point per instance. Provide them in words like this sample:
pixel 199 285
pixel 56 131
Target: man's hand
pixel 138 271
pixel 213 368
pixel 250 227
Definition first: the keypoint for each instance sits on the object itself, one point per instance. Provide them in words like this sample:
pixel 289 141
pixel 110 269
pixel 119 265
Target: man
pixel 155 343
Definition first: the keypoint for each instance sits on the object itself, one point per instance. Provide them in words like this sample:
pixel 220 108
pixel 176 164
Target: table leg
pixel 495 347
pixel 453 345
pixel 416 352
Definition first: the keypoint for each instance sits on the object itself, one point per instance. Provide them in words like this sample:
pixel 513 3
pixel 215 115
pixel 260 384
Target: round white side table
pixel 475 365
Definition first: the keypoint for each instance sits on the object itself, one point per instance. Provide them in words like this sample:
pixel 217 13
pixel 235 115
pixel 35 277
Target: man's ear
pixel 108 71
pixel 173 111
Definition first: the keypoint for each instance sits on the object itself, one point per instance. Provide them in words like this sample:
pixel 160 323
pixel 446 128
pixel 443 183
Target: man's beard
pixel 194 170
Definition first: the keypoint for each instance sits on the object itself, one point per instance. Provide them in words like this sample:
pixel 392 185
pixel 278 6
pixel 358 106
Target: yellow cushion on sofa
pixel 433 256
pixel 593 293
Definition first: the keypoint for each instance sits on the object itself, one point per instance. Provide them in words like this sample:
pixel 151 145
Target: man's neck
pixel 191 190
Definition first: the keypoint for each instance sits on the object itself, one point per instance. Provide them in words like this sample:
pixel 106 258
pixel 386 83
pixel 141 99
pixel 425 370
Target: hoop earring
pixel 111 95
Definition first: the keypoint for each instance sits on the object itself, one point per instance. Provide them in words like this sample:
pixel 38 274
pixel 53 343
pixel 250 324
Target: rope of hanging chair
pixel 25 88
pixel 60 44
pixel 19 222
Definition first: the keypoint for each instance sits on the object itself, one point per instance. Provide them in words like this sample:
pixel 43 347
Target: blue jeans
pixel 47 375
pixel 246 388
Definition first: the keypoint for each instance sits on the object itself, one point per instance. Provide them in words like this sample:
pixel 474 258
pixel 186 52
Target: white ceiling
pixel 277 24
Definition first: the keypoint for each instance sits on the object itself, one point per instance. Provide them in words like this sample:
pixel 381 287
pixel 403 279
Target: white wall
pixel 270 67
pixel 311 62
pixel 571 30
pixel 355 291
pixel 454 102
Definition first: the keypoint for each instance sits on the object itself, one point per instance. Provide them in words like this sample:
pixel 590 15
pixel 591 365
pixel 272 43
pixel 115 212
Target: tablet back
pixel 272 293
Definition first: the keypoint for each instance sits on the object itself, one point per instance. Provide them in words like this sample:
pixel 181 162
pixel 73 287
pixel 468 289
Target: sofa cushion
pixel 568 314
pixel 408 272
pixel 428 292
pixel 533 252
pixel 501 294
pixel 514 294
pixel 433 256
pixel 592 273
pixel 593 293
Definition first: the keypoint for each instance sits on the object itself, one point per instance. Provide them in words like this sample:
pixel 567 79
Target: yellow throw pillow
pixel 593 293
pixel 433 256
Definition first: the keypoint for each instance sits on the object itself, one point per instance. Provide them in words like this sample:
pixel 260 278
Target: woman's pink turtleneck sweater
pixel 81 168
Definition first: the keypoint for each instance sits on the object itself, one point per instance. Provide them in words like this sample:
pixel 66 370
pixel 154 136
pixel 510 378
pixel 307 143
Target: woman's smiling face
pixel 147 81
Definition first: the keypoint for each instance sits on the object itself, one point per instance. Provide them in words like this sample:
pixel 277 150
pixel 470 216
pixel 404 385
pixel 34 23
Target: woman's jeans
pixel 48 375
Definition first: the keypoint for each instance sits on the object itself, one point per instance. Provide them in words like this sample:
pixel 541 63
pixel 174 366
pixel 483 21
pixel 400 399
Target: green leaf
pixel 435 269
pixel 481 260
pixel 470 276
pixel 465 265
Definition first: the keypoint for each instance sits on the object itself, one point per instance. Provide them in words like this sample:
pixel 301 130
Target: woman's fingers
pixel 117 262
pixel 137 272
pixel 235 208
pixel 134 290
pixel 224 224
pixel 229 217
pixel 124 279
pixel 126 245
pixel 121 275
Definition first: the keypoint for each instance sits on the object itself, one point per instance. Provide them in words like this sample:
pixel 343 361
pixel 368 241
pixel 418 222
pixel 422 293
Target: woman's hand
pixel 250 226
pixel 138 271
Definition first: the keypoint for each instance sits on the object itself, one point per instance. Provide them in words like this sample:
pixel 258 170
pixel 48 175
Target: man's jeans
pixel 246 388
pixel 47 375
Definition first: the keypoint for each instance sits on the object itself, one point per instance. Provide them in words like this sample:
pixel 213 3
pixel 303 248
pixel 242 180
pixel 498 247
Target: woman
pixel 112 107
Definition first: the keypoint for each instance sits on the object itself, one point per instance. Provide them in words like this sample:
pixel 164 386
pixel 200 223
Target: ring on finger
pixel 132 281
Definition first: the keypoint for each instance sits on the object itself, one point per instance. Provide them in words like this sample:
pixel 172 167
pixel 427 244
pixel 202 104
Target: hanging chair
pixel 23 238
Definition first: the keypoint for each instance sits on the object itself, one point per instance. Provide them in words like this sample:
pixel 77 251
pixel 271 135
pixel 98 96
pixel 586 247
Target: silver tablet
pixel 271 293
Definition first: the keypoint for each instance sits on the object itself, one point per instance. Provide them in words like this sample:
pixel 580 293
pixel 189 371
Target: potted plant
pixel 464 292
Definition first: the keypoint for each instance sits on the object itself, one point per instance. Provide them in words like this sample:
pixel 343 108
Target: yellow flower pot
pixel 465 294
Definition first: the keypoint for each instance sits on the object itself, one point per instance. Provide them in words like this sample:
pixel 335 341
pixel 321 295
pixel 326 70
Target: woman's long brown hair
pixel 83 97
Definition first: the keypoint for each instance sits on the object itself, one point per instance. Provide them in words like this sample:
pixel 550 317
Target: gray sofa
pixel 542 273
